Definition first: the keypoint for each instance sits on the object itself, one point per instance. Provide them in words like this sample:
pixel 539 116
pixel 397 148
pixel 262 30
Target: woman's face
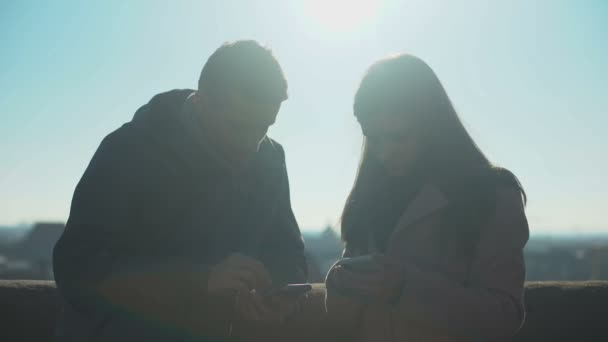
pixel 391 143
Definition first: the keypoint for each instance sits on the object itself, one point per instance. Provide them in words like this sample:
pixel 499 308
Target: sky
pixel 528 78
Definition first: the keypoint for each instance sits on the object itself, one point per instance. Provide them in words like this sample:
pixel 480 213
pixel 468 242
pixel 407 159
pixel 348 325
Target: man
pixel 182 219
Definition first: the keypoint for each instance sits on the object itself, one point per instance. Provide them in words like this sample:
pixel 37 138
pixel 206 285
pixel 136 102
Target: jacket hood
pixel 162 112
pixel 160 123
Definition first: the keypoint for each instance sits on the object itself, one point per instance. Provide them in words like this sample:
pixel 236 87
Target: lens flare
pixel 343 15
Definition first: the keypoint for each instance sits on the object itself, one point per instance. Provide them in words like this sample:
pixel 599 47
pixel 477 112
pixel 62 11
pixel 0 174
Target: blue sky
pixel 528 78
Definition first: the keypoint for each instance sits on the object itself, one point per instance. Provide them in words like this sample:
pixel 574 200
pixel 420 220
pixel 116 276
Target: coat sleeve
pixel 344 314
pixel 283 246
pixel 101 265
pixel 492 305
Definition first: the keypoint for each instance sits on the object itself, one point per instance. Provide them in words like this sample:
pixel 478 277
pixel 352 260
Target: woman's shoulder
pixel 503 176
pixel 509 201
pixel 488 189
pixel 509 222
pixel 493 182
pixel 500 194
pixel 507 187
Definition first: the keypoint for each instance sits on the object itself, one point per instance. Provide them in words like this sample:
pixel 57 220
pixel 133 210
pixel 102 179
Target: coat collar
pixel 427 201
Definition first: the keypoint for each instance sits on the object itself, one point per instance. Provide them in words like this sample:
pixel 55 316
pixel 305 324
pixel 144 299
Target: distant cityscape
pixel 26 253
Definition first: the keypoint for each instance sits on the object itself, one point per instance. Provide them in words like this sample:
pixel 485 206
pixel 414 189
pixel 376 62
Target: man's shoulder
pixel 123 153
pixel 272 150
pixel 122 141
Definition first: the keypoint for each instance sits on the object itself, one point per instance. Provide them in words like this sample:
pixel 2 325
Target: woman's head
pixel 413 134
pixel 408 119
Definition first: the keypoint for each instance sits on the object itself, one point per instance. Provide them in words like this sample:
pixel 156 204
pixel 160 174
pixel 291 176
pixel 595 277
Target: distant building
pixel 322 250
pixel 547 258
pixel 32 257
pixel 567 260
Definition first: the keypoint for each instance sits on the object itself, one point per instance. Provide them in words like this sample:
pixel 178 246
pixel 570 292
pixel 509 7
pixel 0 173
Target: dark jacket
pixel 151 213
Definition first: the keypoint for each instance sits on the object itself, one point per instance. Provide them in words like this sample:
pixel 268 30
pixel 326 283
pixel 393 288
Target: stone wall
pixel 557 311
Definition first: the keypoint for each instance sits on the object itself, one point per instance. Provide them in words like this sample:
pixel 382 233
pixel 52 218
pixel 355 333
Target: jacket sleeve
pixel 344 314
pixel 101 264
pixel 492 305
pixel 283 246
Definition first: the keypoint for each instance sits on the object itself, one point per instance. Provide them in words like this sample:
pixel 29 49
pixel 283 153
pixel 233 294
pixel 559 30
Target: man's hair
pixel 244 66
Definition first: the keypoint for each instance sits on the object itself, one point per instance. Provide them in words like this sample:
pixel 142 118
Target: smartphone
pixel 290 290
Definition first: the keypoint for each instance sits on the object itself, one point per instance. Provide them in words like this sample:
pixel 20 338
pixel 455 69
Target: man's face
pixel 237 124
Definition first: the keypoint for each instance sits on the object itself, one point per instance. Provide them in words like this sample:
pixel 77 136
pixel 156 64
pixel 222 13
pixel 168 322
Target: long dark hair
pixel 447 156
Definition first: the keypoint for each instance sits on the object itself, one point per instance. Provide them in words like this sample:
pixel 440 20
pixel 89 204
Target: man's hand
pixel 238 273
pixel 287 305
pixel 251 306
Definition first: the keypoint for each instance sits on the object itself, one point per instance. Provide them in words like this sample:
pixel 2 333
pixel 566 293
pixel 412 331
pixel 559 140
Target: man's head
pixel 240 91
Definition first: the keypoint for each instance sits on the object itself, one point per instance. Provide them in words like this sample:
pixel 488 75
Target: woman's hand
pixel 344 313
pixel 384 285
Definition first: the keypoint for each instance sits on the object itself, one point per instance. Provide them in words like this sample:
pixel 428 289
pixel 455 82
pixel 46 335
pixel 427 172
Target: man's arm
pixel 283 247
pixel 102 262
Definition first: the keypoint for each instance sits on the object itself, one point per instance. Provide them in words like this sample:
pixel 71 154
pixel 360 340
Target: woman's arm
pixel 492 306
pixel 344 314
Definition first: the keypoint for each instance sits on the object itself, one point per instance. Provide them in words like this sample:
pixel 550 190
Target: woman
pixel 444 229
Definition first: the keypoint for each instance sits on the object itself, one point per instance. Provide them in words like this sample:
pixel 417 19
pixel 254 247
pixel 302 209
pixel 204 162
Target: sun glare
pixel 343 15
